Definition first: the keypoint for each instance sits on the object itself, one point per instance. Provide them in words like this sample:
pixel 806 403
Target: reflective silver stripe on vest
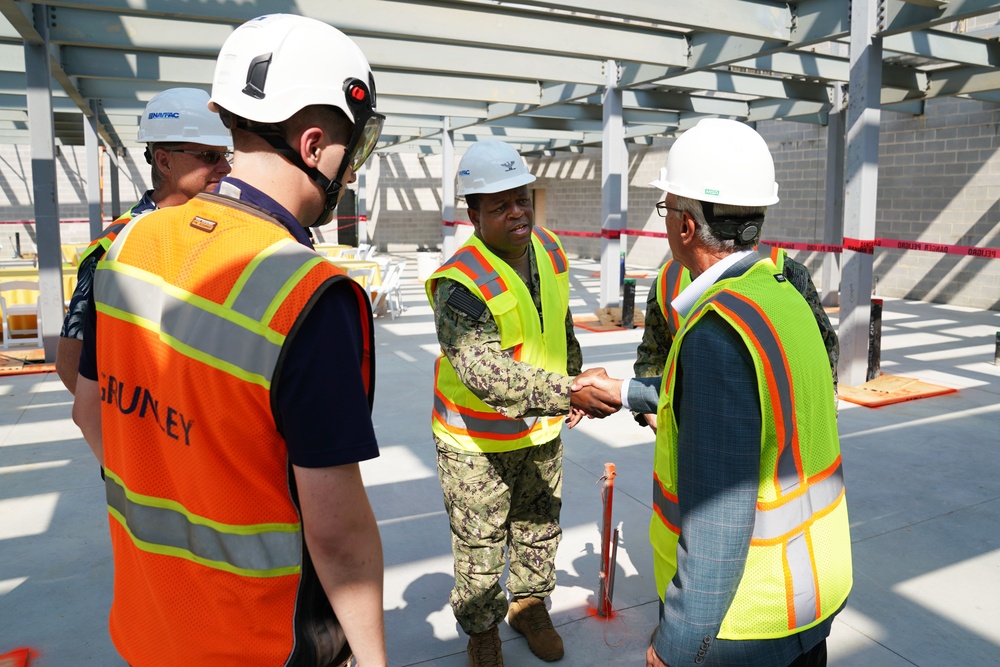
pixel 168 528
pixel 187 323
pixel 803 583
pixel 667 507
pixel 672 278
pixel 757 326
pixel 789 516
pixel 502 426
pixel 485 277
pixel 552 248
pixel 268 276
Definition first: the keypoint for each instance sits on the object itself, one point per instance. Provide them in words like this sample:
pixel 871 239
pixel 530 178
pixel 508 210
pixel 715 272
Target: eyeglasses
pixel 662 208
pixel 208 157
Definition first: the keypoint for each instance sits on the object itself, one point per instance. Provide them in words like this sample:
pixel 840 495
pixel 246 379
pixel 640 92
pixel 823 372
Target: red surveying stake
pixel 609 545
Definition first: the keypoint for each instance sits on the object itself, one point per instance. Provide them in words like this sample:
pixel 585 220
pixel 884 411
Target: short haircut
pixel 333 121
pixel 472 201
pixel 708 235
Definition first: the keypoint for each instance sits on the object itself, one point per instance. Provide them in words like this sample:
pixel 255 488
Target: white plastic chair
pixel 367 274
pixel 7 311
pixel 348 253
pixel 388 294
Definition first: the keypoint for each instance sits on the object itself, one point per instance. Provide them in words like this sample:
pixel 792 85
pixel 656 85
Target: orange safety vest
pixel 460 418
pixel 194 304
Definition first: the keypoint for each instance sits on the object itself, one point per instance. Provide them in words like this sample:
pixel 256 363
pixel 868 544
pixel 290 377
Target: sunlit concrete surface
pixel 923 493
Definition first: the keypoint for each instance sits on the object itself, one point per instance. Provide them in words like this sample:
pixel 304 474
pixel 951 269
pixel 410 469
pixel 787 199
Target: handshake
pixel 594 394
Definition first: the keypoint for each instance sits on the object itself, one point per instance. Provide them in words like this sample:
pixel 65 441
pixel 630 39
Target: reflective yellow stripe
pixel 269 278
pixel 161 526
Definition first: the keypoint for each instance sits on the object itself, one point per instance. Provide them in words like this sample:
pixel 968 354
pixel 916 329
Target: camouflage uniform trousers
pixel 496 502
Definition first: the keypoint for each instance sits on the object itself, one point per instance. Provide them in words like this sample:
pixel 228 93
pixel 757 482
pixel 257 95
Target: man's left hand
pixel 653 660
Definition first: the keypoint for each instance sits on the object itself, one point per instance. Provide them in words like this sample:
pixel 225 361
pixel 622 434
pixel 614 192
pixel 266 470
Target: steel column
pixel 116 200
pixel 833 220
pixel 448 241
pixel 93 150
pixel 863 118
pixel 362 207
pixel 614 190
pixel 41 124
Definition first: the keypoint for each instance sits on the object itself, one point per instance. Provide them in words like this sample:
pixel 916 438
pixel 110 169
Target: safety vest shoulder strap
pixel 470 261
pixel 552 246
pixel 104 241
pixel 672 280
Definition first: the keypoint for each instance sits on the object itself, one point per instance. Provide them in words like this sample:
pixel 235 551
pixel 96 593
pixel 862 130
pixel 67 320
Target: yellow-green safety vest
pixel 460 418
pixel 798 569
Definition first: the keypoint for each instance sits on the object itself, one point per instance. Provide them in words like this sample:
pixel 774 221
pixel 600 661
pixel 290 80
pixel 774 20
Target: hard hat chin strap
pixel 273 135
pixel 743 230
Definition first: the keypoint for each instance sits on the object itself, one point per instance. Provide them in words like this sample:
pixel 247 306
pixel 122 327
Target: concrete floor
pixel 923 490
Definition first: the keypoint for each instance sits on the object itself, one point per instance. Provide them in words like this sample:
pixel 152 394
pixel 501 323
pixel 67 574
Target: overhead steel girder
pixel 386 53
pixel 789 109
pixel 397 21
pixel 945 46
pixel 900 16
pixel 24 26
pixel 12 58
pixel 683 102
pixel 115 89
pixel 770 20
pixel 390 104
pixel 748 84
pixel 593 112
pixel 795 63
pixel 90 62
pixel 458 87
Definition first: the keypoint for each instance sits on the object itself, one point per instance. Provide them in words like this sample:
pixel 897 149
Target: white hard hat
pixel 273 66
pixel 182 115
pixel 723 162
pixel 491 166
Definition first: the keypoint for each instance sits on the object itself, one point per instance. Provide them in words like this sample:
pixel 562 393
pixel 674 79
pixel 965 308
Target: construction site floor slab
pixel 923 489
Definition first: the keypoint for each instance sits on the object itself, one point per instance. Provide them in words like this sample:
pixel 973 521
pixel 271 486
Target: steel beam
pixel 861 184
pixel 449 244
pixel 833 210
pixel 614 191
pixel 38 78
pixel 94 176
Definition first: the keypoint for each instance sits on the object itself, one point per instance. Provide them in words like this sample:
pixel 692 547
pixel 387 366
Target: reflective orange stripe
pixel 666 506
pixel 669 287
pixel 559 262
pixel 471 262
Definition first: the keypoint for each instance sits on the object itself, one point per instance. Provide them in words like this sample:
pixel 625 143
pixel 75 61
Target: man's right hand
pixel 596 394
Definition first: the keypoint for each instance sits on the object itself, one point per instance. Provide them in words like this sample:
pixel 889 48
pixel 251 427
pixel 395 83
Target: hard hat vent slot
pixel 257 76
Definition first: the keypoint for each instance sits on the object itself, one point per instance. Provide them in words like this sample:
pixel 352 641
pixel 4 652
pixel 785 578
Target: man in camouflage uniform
pixel 657 335
pixel 502 384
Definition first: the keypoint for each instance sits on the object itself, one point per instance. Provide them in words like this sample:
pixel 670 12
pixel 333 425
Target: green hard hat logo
pixel 711 192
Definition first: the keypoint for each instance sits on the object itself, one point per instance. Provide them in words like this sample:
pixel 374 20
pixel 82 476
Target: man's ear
pixel 161 158
pixel 310 145
pixel 688 227
pixel 474 217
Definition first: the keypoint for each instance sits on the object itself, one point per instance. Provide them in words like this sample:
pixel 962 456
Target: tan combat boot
pixel 484 649
pixel 530 617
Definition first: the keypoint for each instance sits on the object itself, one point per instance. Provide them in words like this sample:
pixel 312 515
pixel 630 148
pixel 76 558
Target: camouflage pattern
pixel 656 337
pixel 495 501
pixel 501 500
pixel 512 388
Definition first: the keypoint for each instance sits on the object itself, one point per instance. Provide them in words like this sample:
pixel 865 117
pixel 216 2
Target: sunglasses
pixel 208 157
